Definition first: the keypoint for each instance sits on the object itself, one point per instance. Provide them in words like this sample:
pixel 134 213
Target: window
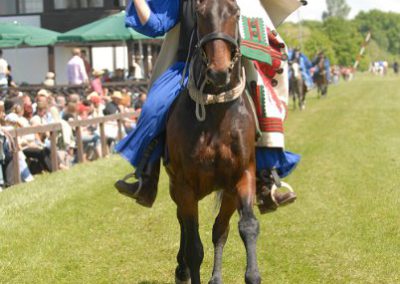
pixel 76 4
pixel 8 7
pixel 30 6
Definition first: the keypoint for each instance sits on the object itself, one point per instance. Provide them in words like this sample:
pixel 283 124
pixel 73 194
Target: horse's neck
pixel 321 63
pixel 296 70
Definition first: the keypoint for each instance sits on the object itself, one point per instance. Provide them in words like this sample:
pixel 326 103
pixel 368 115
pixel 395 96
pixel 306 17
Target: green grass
pixel 72 227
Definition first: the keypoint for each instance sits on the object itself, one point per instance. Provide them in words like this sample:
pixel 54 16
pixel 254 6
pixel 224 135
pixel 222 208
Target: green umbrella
pixel 111 28
pixel 13 34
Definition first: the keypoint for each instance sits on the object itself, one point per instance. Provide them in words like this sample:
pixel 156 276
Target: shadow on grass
pixel 154 282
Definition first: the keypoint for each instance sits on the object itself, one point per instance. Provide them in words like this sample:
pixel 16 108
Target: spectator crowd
pixel 19 110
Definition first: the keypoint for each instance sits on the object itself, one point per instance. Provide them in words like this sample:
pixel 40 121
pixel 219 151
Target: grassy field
pixel 72 227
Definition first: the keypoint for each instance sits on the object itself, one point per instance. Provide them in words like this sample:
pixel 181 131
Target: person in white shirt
pixel 3 72
pixel 76 70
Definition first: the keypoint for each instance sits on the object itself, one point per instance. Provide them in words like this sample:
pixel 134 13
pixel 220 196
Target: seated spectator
pixel 140 101
pixel 28 112
pixel 97 104
pixel 126 106
pixel 14 118
pixel 7 147
pixel 65 140
pixel 106 76
pixel 40 154
pixel 76 98
pixel 90 137
pixel 113 107
pixel 42 116
pixel 41 96
pixel 71 111
pixel 61 103
pixel 119 75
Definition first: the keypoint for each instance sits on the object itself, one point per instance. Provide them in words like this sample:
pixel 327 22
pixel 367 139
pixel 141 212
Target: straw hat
pixel 117 95
pixel 44 93
pixel 98 73
pixel 94 97
pixel 91 95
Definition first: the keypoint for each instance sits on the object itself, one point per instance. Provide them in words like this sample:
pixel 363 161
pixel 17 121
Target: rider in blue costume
pixel 144 147
pixel 327 65
pixel 295 55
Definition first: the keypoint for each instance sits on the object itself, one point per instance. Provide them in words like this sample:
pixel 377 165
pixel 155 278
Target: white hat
pixel 43 93
pixel 50 75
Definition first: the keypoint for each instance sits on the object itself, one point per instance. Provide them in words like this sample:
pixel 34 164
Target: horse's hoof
pixel 182 276
pixel 177 281
pixel 253 279
pixel 215 280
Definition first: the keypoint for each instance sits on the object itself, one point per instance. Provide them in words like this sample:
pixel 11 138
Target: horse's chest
pixel 216 152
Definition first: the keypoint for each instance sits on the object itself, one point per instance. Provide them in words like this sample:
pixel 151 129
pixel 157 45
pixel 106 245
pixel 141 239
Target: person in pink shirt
pixel 96 84
pixel 76 69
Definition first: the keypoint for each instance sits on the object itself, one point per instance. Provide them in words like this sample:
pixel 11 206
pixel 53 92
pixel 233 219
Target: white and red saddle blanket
pixel 267 71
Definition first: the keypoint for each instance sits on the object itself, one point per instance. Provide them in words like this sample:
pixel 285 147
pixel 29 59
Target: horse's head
pixel 219 39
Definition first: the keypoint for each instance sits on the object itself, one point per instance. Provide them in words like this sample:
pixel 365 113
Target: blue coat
pixel 163 17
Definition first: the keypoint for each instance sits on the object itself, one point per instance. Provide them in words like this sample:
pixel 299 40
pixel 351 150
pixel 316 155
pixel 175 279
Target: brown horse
pixel 212 146
pixel 320 78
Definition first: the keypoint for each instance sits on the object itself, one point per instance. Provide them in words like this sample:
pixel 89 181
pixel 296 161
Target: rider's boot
pixel 145 189
pixel 268 200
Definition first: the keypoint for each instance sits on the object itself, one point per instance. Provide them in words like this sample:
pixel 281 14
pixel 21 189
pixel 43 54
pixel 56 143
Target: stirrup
pixel 275 188
pixel 129 176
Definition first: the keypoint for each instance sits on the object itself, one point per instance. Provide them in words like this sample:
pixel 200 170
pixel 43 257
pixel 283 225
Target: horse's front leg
pixel 301 95
pixel 220 234
pixel 249 227
pixel 182 273
pixel 294 98
pixel 193 248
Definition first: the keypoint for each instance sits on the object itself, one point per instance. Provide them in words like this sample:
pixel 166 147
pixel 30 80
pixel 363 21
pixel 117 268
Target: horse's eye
pixel 199 2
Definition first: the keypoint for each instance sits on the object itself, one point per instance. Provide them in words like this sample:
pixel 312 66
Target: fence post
pixel 103 140
pixel 79 144
pixel 120 134
pixel 53 151
pixel 17 175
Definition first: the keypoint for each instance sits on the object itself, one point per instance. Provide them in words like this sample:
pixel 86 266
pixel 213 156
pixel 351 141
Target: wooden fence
pixel 136 86
pixel 77 125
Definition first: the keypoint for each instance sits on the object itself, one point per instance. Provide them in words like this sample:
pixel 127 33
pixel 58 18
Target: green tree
pixel 317 42
pixel 336 8
pixel 385 28
pixel 346 39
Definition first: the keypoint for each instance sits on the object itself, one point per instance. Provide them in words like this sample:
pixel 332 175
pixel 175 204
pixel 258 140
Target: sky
pixel 315 8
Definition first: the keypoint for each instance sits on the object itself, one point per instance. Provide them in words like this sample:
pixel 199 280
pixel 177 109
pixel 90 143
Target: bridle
pixel 199 51
pixel 234 42
pixel 198 73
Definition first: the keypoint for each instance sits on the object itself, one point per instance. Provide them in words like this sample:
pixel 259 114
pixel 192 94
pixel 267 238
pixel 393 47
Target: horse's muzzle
pixel 219 78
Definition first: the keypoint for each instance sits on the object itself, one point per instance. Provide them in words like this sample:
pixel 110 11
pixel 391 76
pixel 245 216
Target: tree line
pixel 341 39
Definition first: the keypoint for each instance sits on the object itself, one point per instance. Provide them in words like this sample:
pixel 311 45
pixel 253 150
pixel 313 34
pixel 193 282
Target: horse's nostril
pixel 218 77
